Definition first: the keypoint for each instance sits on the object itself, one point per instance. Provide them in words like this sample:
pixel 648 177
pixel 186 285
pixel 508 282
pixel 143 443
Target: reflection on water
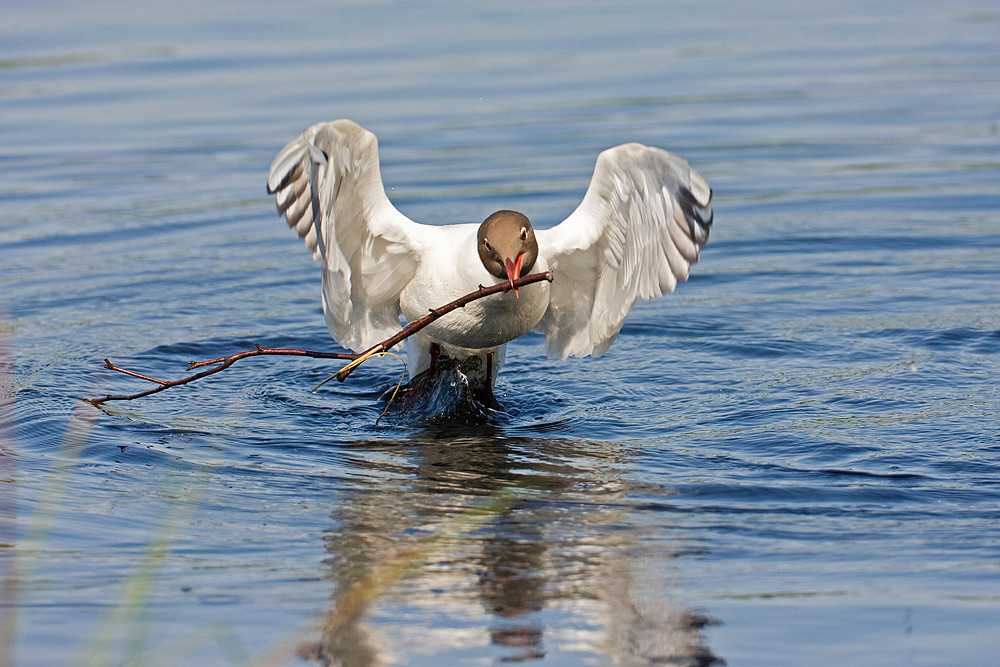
pixel 522 546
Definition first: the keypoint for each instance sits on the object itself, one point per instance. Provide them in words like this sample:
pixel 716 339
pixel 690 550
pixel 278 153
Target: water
pixel 791 460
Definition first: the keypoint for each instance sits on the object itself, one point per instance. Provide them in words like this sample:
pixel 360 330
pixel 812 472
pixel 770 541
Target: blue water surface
pixel 794 459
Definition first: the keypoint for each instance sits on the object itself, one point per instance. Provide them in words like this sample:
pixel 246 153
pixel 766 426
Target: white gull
pixel 642 223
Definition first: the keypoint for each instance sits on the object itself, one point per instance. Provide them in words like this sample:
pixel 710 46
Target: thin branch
pixel 270 351
pixel 223 363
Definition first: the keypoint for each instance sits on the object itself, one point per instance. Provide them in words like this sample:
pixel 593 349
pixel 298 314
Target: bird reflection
pixel 451 545
pixel 511 584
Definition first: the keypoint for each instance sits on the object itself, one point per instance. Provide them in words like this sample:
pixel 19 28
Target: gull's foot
pixel 448 388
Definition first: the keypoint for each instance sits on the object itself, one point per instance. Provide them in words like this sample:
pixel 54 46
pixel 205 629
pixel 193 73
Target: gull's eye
pixel 486 242
pixel 524 233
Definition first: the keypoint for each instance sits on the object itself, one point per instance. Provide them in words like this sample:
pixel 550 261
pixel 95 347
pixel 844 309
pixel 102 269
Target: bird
pixel 643 221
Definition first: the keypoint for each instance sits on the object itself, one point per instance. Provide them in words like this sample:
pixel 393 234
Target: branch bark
pixel 222 363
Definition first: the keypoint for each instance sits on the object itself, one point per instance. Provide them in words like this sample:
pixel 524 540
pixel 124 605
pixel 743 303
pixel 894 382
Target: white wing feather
pixel 328 185
pixel 640 226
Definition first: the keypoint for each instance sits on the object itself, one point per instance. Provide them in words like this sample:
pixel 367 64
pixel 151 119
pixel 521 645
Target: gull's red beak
pixel 513 270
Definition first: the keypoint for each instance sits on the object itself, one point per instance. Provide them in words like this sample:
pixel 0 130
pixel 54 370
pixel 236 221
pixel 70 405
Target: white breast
pixel 452 270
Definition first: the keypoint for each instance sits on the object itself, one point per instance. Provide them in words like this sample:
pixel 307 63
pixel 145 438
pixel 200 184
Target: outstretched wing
pixel 640 226
pixel 328 185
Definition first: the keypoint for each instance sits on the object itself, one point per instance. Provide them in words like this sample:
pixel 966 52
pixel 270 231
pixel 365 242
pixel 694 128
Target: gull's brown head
pixel 507 245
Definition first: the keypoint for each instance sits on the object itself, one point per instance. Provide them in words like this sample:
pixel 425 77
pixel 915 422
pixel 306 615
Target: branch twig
pixel 223 363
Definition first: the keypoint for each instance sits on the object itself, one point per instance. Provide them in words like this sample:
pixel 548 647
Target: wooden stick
pixel 223 363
